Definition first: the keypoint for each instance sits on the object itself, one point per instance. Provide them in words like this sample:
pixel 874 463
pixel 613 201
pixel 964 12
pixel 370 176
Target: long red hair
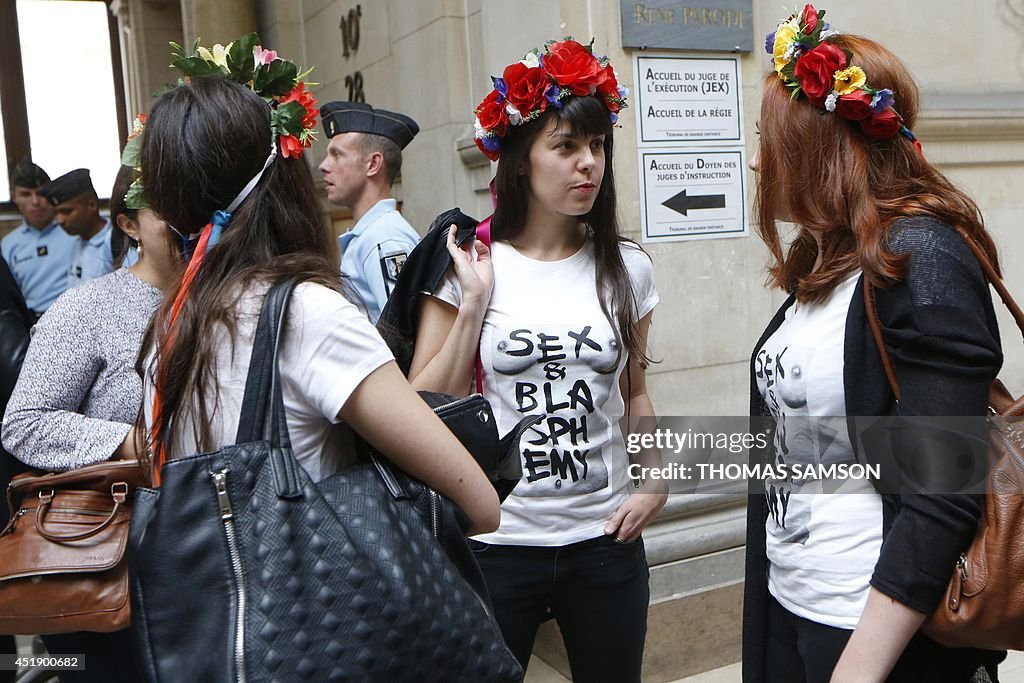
pixel 821 172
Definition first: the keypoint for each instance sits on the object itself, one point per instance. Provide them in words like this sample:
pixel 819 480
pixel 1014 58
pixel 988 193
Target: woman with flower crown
pixel 559 307
pixel 224 164
pixel 838 586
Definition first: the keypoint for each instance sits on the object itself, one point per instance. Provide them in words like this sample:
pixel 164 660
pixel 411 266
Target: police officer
pixel 38 252
pixel 77 209
pixel 364 156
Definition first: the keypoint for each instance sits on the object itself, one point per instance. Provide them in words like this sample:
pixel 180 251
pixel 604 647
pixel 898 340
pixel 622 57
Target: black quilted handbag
pixel 244 569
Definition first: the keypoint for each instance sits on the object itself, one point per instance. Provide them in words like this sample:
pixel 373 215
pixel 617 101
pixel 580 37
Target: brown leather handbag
pixel 984 604
pixel 62 555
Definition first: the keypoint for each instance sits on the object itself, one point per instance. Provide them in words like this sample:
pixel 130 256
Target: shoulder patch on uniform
pixel 391 264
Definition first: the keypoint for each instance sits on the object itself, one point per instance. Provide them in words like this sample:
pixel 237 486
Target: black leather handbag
pixel 244 569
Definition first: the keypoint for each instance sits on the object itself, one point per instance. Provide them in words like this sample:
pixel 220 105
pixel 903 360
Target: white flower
pixel 830 101
pixel 218 56
pixel 826 33
pixel 531 60
pixel 514 117
pixel 480 132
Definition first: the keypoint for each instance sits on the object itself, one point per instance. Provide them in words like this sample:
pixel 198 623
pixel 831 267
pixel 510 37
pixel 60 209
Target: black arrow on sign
pixel 681 203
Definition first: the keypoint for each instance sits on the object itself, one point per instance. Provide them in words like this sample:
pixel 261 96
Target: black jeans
pixel 597 591
pixel 804 651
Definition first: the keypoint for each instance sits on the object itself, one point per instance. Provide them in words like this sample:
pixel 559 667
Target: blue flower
pixel 882 100
pixel 769 43
pixel 614 117
pixel 499 85
pixel 492 143
pixel 551 94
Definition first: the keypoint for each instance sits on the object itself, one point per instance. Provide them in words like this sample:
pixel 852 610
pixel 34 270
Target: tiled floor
pixel 1011 671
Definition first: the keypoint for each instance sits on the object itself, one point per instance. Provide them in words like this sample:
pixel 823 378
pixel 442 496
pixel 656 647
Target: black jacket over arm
pixel 940 330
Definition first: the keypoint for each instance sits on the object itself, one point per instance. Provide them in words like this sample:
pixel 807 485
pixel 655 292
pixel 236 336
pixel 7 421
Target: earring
pixel 138 248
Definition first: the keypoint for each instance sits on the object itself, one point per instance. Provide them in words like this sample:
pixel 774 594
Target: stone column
pixel 217 21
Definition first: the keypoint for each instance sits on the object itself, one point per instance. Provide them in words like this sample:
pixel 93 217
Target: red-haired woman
pixel 838 586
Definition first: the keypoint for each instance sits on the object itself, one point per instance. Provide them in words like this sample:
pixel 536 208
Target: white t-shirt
pixel 822 547
pixel 329 347
pixel 547 349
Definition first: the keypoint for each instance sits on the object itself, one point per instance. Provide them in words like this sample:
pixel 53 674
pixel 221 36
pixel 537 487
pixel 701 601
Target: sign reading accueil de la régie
pixel 693 194
pixel 688 99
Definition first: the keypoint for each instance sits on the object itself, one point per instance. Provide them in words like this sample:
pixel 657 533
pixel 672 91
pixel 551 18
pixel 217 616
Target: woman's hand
pixel 476 275
pixel 633 516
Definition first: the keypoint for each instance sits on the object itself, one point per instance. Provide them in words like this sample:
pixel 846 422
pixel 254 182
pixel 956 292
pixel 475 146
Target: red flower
pixel 810 17
pixel 290 146
pixel 855 106
pixel 526 86
pixel 883 125
pixel 816 71
pixel 492 114
pixel 573 67
pixel 305 98
pixel 609 89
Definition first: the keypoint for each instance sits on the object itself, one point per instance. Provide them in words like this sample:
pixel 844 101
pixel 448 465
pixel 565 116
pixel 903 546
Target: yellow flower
pixel 219 56
pixel 849 79
pixel 785 36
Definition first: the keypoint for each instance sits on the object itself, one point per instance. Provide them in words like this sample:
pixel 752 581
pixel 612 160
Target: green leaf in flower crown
pixel 275 79
pixel 789 71
pixel 240 58
pixel 197 66
pixel 287 118
pixel 135 198
pixel 130 153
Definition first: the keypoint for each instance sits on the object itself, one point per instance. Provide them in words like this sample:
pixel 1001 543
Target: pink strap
pixel 483 233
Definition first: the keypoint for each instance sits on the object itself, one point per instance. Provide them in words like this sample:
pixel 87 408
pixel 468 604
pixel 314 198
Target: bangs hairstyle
pixel 820 171
pixel 204 141
pixel 585 116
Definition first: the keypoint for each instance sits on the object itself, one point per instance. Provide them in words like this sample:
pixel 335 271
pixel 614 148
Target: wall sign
pixel 692 194
pixel 687 99
pixel 712 25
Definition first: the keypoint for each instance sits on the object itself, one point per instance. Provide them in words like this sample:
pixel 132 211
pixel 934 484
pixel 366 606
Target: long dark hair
pixel 204 140
pixel 835 181
pixel 119 240
pixel 584 116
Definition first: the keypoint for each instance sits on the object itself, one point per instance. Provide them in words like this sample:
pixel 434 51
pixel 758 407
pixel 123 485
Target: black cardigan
pixel 940 329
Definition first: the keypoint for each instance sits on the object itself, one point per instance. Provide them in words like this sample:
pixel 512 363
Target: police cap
pixel 358 117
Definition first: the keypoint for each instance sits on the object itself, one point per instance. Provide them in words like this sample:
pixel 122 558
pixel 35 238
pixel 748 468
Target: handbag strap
pixel 263 386
pixel 990 274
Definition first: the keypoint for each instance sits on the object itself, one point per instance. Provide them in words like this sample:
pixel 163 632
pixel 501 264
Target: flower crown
pixel 293 111
pixel 824 73
pixel 527 87
pixel 278 81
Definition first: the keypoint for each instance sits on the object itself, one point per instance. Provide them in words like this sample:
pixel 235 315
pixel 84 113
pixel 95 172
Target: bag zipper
pixel 227 516
pixel 456 403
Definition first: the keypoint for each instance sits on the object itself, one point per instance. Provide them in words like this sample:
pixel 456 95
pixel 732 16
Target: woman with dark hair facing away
pixel 838 586
pixel 217 154
pixel 79 394
pixel 559 307
pixel 124 248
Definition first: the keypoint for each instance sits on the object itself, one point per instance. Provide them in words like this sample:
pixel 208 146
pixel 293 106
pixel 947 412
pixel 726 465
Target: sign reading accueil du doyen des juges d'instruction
pixel 690 145
pixel 692 194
